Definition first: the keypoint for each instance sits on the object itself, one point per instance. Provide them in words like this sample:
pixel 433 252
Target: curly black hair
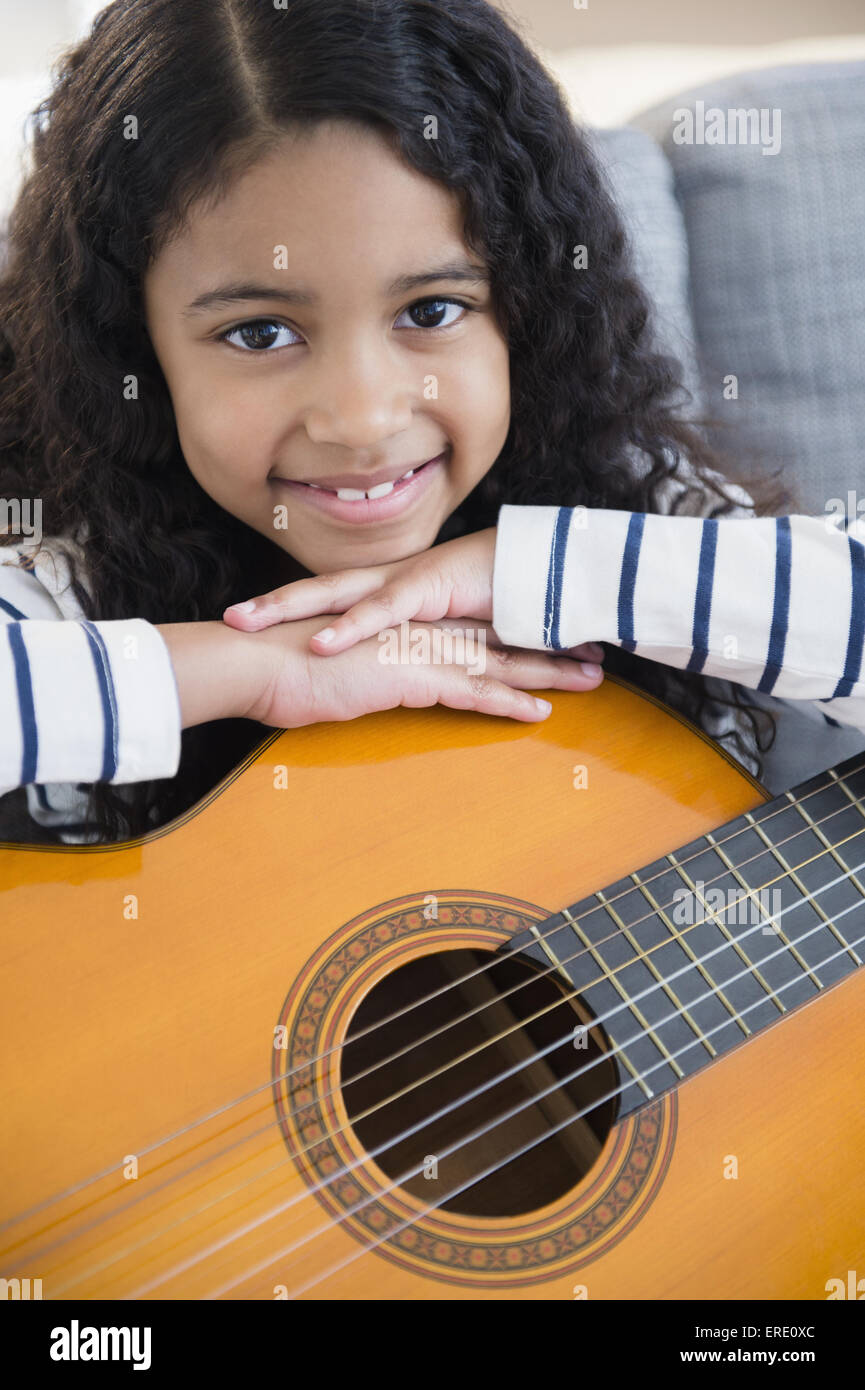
pixel 160 108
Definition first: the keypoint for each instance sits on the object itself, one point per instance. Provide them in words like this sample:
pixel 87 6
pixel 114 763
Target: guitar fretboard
pixel 701 949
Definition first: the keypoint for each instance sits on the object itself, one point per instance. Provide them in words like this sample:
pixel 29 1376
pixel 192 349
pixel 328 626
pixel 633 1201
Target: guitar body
pixel 174 1014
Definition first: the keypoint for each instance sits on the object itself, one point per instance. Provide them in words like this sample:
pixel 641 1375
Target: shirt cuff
pixel 556 575
pixel 775 603
pixel 87 702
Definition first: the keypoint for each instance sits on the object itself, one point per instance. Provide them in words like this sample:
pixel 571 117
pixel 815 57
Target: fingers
pixel 468 675
pixel 591 652
pixel 484 695
pixel 495 689
pixel 476 647
pixel 587 651
pixel 539 671
pixel 305 598
pixel 392 604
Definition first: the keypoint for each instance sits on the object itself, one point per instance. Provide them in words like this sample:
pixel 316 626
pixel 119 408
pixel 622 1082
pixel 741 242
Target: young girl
pixel 289 308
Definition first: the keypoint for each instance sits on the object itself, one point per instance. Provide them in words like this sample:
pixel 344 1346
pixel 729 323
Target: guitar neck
pixel 697 951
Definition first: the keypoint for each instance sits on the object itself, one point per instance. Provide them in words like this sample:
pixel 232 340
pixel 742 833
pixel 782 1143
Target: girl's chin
pixel 363 554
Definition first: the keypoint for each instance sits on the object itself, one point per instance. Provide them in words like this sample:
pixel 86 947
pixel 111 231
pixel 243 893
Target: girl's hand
pixel 300 687
pixel 453 580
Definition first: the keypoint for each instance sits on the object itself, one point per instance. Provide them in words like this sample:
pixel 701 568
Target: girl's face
pixel 291 327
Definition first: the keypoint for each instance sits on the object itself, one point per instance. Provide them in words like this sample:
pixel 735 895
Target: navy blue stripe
pixel 12 610
pixel 553 607
pixel 107 694
pixel 26 707
pixel 833 722
pixel 628 580
pixel 42 798
pixel 781 609
pixel 856 635
pixel 703 599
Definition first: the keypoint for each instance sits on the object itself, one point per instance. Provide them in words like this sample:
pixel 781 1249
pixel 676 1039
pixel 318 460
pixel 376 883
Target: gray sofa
pixel 754 263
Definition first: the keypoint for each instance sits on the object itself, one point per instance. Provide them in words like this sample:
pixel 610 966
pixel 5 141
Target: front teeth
pixel 351 494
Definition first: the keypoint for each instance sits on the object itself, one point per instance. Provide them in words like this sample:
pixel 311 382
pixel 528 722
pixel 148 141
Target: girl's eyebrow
pixel 222 295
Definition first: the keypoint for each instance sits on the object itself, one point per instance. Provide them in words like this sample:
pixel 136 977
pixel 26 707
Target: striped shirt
pixel 80 701
pixel 775 604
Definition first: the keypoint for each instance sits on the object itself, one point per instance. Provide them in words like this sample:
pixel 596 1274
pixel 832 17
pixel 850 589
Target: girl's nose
pixel 359 398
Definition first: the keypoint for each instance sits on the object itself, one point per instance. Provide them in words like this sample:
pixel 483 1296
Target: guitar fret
pixel 812 824
pixel 638 965
pixel 682 1008
pixel 774 928
pixel 722 926
pixel 612 978
pixel 544 943
pixel 652 967
pixel 679 938
pixel 622 1056
pixel 847 792
pixel 853 800
pixel 826 890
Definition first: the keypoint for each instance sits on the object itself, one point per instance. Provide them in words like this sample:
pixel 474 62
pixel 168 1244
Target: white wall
pixel 559 24
pixel 32 32
pixel 613 59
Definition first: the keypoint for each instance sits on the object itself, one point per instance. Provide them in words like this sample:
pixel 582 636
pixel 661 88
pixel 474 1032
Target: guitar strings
pixel 553 968
pixel 478 1133
pixel 538 975
pixel 388 1235
pixel 497 1079
pixel 266 1086
pixel 619 931
pixel 493 1168
pixel 428 1119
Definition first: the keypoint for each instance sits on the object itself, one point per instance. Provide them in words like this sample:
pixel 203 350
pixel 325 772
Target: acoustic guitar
pixel 432 1005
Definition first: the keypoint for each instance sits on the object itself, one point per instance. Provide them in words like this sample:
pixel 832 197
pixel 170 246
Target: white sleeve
pixel 81 701
pixel 774 603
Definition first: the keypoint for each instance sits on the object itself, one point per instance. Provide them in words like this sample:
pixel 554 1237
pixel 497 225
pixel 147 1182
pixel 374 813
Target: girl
pixel 274 253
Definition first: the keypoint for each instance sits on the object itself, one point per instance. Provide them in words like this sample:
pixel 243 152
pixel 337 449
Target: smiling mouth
pixel 381 503
pixel 352 494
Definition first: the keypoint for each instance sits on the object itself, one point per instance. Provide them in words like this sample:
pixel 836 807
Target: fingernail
pixel 589 669
pixel 326 635
pixel 543 705
pixel 247 607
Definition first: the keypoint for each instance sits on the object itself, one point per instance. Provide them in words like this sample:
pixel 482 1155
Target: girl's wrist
pixel 220 672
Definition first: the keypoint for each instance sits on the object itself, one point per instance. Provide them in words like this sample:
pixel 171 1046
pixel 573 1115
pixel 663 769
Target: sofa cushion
pixel 777 279
pixel 641 181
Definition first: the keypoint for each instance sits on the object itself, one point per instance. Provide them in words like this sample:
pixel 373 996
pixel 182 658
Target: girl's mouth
pixel 364 509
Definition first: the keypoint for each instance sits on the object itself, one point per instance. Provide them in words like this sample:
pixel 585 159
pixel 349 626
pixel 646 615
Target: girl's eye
pixel 259 335
pixel 428 308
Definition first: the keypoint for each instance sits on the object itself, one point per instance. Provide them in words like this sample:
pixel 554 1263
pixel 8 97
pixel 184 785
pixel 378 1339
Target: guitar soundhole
pixel 483 1022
